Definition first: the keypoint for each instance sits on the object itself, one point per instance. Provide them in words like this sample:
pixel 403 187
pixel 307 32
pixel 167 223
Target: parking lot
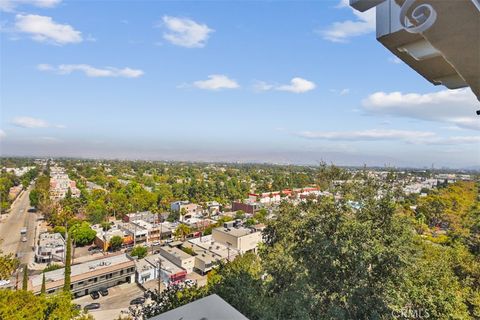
pixel 118 299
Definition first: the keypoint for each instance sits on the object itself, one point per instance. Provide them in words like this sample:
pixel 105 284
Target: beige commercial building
pixel 241 239
pixel 209 252
pixel 178 257
pixel 89 276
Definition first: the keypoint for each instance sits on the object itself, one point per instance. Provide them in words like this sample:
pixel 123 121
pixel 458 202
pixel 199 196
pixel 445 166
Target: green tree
pixel 106 226
pixel 25 305
pixel 173 216
pixel 183 212
pixel 25 278
pixel 170 298
pixel 52 267
pixel 240 279
pixel 116 243
pixel 182 231
pixel 240 214
pixel 68 264
pixel 34 198
pixel 139 251
pixel 82 233
pixel 432 286
pixel 21 304
pixel 8 264
pixel 44 288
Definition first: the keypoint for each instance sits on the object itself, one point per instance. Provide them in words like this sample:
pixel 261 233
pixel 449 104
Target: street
pixel 10 226
pixel 118 299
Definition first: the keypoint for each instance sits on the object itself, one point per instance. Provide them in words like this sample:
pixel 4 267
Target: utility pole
pixel 228 251
pixel 159 275
pixel 134 235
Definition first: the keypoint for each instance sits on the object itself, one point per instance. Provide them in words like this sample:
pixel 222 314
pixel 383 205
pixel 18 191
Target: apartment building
pixel 246 206
pixel 138 233
pixel 187 206
pixel 50 248
pixel 103 237
pixel 154 231
pixel 147 216
pixel 60 183
pixel 213 207
pixel 89 276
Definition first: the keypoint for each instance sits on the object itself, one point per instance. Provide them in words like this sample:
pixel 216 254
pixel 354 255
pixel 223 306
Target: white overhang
pixel 439 39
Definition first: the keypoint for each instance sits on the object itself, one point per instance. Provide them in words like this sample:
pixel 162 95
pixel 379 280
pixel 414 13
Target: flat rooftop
pixel 104 264
pixel 236 232
pixel 217 249
pixel 51 240
pixel 176 252
pixel 166 266
pixel 209 308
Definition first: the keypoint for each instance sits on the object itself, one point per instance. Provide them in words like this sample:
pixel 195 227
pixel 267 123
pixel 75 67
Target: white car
pixel 190 282
pixel 4 282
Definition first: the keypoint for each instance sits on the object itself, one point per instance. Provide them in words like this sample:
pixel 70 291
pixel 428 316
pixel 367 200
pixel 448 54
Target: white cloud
pixel 90 71
pixel 456 140
pixel 30 122
pixel 374 134
pixel 262 86
pixel 186 32
pixel 297 85
pixel 10 5
pixel 455 107
pixel 216 82
pixel 44 29
pixel 412 137
pixel 45 67
pixel 342 92
pixel 2 134
pixel 342 31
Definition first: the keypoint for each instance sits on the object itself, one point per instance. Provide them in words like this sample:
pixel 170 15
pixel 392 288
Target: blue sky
pixel 275 81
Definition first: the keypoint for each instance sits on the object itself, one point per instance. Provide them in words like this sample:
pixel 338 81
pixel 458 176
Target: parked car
pixel 95 250
pixel 103 292
pixel 138 300
pixel 4 282
pixel 190 282
pixel 92 306
pixel 94 295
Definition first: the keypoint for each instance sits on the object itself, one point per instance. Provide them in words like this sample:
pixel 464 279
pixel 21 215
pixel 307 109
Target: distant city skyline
pixel 279 82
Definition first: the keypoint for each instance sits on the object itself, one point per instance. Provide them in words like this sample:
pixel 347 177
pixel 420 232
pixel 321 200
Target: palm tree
pixel 182 231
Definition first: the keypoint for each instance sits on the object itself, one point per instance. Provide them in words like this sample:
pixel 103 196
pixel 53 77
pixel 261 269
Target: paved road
pixel 118 299
pixel 10 226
